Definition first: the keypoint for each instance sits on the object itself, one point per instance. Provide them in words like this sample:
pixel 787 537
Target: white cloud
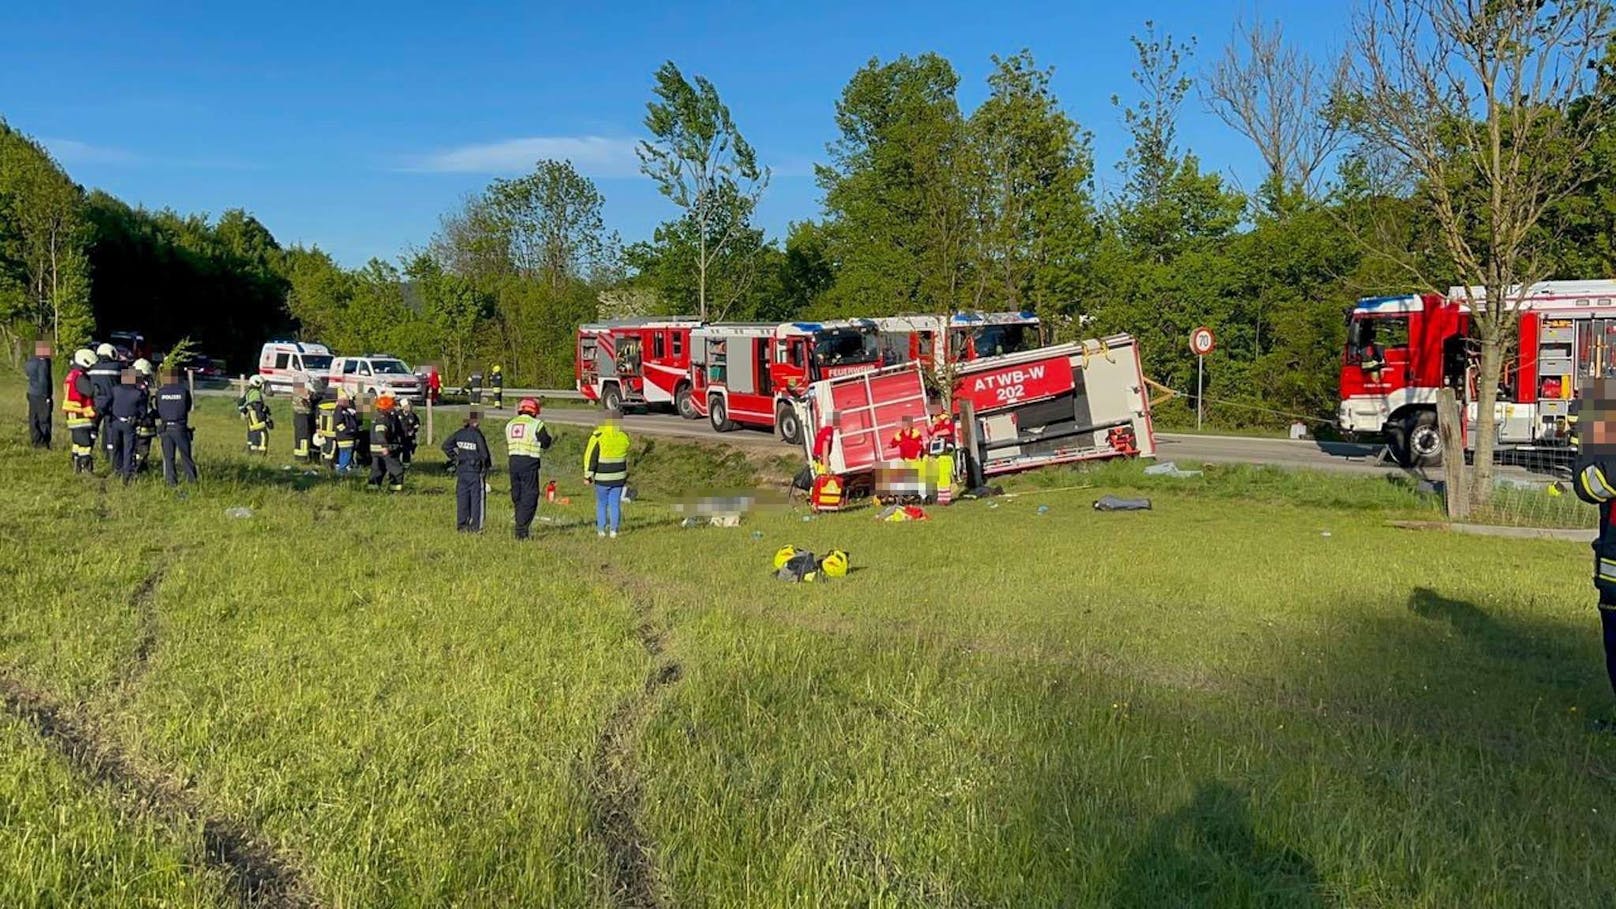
pixel 595 156
pixel 72 151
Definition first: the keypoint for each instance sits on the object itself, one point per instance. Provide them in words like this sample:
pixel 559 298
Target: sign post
pixel 1201 343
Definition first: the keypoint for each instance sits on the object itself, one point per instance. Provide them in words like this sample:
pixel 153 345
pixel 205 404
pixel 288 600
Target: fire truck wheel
pixel 612 399
pixel 790 426
pixel 719 415
pixel 1419 441
pixel 685 403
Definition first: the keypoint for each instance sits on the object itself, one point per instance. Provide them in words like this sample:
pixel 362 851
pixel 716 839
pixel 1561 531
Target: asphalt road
pixel 1189 448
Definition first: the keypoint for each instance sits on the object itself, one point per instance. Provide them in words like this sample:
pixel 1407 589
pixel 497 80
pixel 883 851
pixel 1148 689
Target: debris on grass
pixel 240 511
pixel 1116 503
pixel 1170 469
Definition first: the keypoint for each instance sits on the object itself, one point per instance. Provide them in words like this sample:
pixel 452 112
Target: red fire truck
pixel 1078 401
pixel 635 362
pixel 751 374
pixel 971 335
pixel 1401 351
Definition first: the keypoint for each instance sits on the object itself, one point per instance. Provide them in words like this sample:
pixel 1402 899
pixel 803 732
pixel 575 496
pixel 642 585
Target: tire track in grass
pixel 257 875
pixel 612 783
pixel 144 602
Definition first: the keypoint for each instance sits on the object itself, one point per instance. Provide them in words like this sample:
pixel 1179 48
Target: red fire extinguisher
pixel 549 491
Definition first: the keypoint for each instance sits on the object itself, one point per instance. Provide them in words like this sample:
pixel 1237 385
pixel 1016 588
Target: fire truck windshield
pixel 1375 334
pixel 845 345
pixel 994 340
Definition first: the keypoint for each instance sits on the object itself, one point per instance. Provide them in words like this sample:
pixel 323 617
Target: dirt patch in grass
pixel 256 873
pixel 612 782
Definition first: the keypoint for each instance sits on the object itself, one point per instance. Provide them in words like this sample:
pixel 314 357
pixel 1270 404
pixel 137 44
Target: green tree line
pixel 927 207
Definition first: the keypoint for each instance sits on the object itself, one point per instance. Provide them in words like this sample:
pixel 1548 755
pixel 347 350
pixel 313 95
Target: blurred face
pixel 42 349
pixel 1596 418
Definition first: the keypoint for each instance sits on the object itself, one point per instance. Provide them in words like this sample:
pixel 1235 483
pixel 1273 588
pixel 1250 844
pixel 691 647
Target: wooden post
pixel 1448 421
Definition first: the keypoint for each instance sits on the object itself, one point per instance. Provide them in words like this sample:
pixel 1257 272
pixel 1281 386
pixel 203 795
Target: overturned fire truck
pixel 1056 405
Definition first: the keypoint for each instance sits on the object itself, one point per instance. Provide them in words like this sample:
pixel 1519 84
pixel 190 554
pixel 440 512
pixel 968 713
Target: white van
pixel 375 374
pixel 284 364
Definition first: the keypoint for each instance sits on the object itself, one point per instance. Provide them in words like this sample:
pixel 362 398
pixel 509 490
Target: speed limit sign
pixel 1202 342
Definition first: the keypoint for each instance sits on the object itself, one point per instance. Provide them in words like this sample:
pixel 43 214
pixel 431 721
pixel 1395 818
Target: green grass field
pixel 1259 693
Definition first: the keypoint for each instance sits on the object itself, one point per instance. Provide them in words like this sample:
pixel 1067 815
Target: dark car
pixel 204 366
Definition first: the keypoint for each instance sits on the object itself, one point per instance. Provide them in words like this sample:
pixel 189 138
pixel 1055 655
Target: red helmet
pixel 529 406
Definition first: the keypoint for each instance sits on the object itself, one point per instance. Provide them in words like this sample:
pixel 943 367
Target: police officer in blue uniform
pixel 467 451
pixel 174 410
pixel 127 409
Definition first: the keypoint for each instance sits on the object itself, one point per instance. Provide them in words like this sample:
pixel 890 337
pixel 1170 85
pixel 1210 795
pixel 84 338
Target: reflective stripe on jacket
pixel 606 456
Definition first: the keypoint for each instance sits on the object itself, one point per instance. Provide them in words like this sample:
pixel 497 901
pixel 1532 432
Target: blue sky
pixel 354 126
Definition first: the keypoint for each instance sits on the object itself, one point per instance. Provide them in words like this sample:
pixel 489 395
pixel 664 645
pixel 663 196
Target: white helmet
pixel 84 357
pixel 142 367
pixel 106 350
pixel 256 381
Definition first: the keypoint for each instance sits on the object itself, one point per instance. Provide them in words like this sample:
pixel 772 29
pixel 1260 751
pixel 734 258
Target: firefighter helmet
pixel 256 381
pixel 142 367
pixel 496 368
pixel 835 564
pixel 106 350
pixel 84 357
pixel 529 406
pixel 784 555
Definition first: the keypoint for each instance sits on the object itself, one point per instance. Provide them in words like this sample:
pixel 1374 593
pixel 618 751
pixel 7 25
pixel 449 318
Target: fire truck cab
pixel 1401 351
pixel 752 374
pixel 635 362
pixel 969 336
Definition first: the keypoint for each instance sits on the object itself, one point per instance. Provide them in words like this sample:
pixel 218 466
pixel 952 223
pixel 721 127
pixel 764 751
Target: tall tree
pixel 43 240
pixel 1278 97
pixel 551 222
pixel 1166 201
pixel 896 190
pixel 1030 194
pixel 700 160
pixel 1485 105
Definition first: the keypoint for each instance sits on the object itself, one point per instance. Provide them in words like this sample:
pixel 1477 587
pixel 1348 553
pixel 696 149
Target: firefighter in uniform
pixel 526 440
pixel 255 410
pixel 146 426
pixel 606 468
pixel 128 407
pixel 78 407
pixel 386 446
pixel 325 431
pixel 410 423
pixel 305 398
pixel 467 451
pixel 105 375
pixel 474 389
pixel 1595 480
pixel 174 410
pixel 345 430
pixel 497 380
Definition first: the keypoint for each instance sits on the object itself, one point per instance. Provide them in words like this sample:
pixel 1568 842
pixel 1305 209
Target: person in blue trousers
pixel 606 468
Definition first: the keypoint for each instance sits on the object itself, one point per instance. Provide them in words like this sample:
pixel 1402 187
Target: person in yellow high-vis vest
pixel 526 438
pixel 606 468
